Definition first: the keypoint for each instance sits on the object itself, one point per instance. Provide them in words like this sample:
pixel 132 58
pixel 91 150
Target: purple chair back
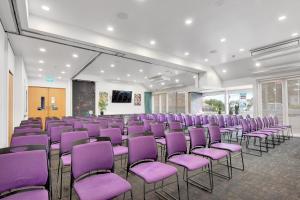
pixel 221 121
pixel 162 118
pixel 92 157
pixel 253 125
pixel 229 121
pixel 158 130
pixel 141 148
pixel 93 129
pixel 68 139
pixel 56 131
pixel 198 138
pixel 23 169
pixel 134 123
pixel 212 121
pixel 259 123
pixel 235 120
pixel 170 118
pixel 271 121
pixel 175 126
pixel 30 140
pixel 196 120
pixel 188 120
pixel 147 124
pixel 205 120
pixel 103 123
pixel 117 124
pixel 245 126
pixel 179 118
pixel 176 143
pixel 19 130
pixel 214 134
pixel 266 122
pixel 114 134
pixel 134 131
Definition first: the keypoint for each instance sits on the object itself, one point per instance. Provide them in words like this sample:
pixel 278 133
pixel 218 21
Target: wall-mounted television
pixel 119 96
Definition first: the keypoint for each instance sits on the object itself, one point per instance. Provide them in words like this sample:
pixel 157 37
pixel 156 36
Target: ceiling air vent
pixel 159 78
pixel 276 47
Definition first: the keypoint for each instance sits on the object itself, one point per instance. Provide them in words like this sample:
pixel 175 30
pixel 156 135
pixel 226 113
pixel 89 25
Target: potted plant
pixel 102 104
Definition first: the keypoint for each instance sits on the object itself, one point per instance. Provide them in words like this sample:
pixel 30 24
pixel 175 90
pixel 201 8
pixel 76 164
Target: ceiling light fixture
pixel 59 77
pixel 112 65
pixel 242 50
pixel 295 34
pixel 188 21
pixel 118 78
pixel 40 69
pixel 257 64
pixel 151 86
pixel 41 62
pixel 152 42
pixel 44 7
pixel 186 53
pixel 205 60
pixel 177 80
pixel 146 77
pixel 42 50
pixel 162 83
pixel 195 76
pixel 68 65
pixel 128 75
pixel 110 28
pixel 282 18
pixel 75 55
pixel 134 81
pixel 141 70
pixel 159 73
pixel 102 71
pixel 223 40
pixel 63 72
pixel 224 70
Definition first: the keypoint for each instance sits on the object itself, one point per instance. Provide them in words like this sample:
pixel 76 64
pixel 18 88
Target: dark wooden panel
pixel 83 97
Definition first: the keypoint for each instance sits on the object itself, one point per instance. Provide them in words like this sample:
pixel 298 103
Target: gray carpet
pixel 274 176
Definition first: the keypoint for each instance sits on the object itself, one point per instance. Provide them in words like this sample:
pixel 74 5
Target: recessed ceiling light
pixel 63 72
pixel 223 40
pixel 195 76
pixel 118 78
pixel 152 42
pixel 282 18
pixel 134 81
pixel 40 75
pixel 205 60
pixel 141 70
pixel 162 83
pixel 59 77
pixel 102 71
pixel 42 50
pixel 295 34
pixel 68 65
pixel 151 86
pixel 177 80
pixel 41 62
pixel 188 21
pixel 128 75
pixel 159 73
pixel 146 77
pixel 40 69
pixel 75 55
pixel 257 64
pixel 44 7
pixel 110 28
pixel 242 50
pixel 112 65
pixel 186 53
pixel 224 70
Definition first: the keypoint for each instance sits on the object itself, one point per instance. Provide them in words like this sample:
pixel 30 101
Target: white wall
pixel 20 89
pixel 56 84
pixel 6 65
pixel 120 108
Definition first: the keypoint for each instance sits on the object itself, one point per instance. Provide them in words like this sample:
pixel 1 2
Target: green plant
pixel 102 104
pixel 216 105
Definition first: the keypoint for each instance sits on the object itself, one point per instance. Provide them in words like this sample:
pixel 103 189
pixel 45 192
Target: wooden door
pixel 57 102
pixel 10 106
pixel 37 102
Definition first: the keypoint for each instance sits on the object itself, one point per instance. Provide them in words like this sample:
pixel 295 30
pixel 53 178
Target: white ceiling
pixel 55 58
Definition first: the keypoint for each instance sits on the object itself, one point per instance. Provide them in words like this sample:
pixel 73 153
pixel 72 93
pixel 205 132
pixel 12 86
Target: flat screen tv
pixel 119 96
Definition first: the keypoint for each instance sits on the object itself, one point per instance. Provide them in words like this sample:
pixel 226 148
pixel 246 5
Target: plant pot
pixel 101 113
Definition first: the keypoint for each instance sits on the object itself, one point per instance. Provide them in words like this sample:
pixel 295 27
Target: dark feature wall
pixel 83 96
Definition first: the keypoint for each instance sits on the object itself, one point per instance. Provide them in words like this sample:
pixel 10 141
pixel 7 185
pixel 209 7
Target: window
pixel 213 103
pixel 240 102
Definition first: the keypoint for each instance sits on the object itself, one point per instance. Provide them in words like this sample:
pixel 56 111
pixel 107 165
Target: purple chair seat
pixel 161 141
pixel 153 172
pixel 225 146
pixel 120 150
pixel 264 133
pixel 55 146
pixel 214 154
pixel 230 129
pixel 190 162
pixel 66 159
pixel 255 135
pixel 29 195
pixel 223 130
pixel 108 186
pixel 124 137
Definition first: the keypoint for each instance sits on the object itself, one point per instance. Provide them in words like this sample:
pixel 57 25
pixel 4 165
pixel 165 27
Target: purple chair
pixel 142 159
pixel 289 127
pixel 196 120
pixel 134 123
pixel 134 131
pixel 120 125
pixel 67 141
pixel 147 124
pixel 30 140
pixel 175 126
pixel 260 127
pixel 158 131
pixel 177 154
pixel 198 147
pixel 162 118
pixel 55 135
pixel 254 129
pixel 88 183
pixel 215 141
pixel 93 129
pixel 21 131
pixel 187 120
pixel 24 175
pixel 116 139
pixel 246 133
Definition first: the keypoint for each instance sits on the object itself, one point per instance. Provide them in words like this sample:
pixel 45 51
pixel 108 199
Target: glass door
pixel 294 103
